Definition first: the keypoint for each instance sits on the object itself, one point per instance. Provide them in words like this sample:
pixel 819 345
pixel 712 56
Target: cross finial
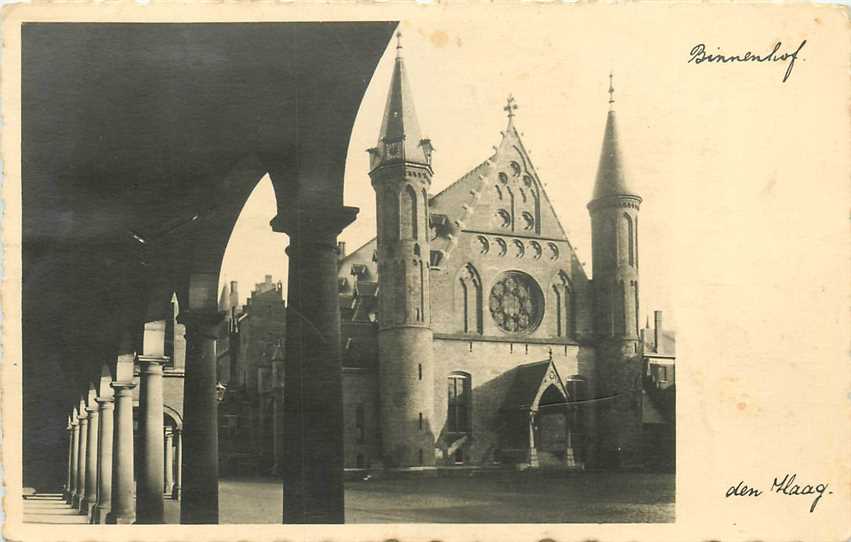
pixel 398 42
pixel 611 90
pixel 510 106
pixel 550 350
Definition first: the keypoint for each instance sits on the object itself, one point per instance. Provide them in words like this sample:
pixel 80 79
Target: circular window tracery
pixel 516 169
pixel 516 303
pixel 519 249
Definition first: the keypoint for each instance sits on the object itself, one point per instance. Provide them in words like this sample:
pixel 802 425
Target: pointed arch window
pixel 563 301
pixel 630 232
pixel 460 402
pixel 470 289
pixel 409 214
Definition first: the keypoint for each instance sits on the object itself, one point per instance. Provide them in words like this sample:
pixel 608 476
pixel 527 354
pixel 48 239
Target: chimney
pixel 657 329
pixel 234 294
pixel 268 279
pixel 341 250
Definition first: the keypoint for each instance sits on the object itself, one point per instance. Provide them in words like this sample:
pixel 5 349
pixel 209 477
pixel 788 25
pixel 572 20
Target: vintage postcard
pixel 436 271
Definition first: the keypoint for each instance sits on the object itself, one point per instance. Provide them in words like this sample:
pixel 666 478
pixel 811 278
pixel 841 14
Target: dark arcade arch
pixel 130 196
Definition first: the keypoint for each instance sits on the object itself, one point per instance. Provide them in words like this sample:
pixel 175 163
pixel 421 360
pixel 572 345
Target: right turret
pixel 614 240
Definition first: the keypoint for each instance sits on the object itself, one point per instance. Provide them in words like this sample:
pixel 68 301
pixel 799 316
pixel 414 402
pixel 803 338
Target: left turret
pixel 400 170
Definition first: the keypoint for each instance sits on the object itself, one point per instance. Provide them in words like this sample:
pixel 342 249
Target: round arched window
pixel 516 302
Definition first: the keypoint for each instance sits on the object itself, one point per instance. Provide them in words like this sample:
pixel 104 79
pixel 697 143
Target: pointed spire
pixel 610 176
pixel 400 138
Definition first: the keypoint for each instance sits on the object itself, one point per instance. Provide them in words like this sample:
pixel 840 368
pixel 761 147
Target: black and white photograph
pixel 418 266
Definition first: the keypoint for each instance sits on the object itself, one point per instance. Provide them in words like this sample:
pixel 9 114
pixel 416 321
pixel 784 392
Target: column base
pixel 175 493
pixel 120 519
pixel 87 506
pixel 99 514
pixel 75 501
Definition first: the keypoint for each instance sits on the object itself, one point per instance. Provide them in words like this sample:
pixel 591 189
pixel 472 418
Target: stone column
pixel 104 475
pixel 83 420
pixel 123 509
pixel 90 496
pixel 168 461
pixel 313 396
pixel 149 486
pixel 67 484
pixel 178 464
pixel 200 485
pixel 533 451
pixel 72 460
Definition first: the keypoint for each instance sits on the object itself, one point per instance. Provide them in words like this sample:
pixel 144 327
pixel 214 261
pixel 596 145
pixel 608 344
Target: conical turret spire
pixel 400 138
pixel 610 175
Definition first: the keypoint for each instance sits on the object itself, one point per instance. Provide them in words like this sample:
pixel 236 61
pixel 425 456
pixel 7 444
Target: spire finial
pixel 510 106
pixel 398 43
pixel 611 91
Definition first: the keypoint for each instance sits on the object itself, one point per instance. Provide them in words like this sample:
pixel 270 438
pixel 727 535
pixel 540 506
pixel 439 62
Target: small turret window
pixel 630 233
pixel 409 214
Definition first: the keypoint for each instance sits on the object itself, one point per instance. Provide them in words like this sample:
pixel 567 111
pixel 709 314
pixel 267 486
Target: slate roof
pixel 524 388
pixel 610 175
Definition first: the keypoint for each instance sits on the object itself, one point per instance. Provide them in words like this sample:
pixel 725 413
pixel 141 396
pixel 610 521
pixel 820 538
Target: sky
pixel 461 75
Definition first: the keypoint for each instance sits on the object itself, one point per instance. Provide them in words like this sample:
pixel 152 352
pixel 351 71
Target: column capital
pixel 122 388
pixel 93 411
pixel 204 322
pixel 316 222
pixel 105 399
pixel 82 416
pixel 150 364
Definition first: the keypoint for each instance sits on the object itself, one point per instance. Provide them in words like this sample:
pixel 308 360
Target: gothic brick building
pixel 473 335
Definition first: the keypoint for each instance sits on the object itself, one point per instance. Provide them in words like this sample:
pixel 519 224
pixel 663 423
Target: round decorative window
pixel 516 303
pixel 516 169
pixel 527 180
pixel 502 218
pixel 528 220
pixel 536 250
pixel 553 250
pixel 502 248
pixel 519 249
pixel 481 244
pixel 503 178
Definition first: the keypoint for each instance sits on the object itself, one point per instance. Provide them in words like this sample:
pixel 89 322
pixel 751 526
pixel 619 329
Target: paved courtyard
pixel 465 497
pixel 500 497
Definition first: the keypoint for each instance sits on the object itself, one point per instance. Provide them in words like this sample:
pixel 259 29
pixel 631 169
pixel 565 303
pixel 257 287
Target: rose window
pixel 516 303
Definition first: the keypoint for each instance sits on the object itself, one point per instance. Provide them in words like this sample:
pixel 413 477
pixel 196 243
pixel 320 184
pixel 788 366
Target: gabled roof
pixel 530 381
pixel 466 202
